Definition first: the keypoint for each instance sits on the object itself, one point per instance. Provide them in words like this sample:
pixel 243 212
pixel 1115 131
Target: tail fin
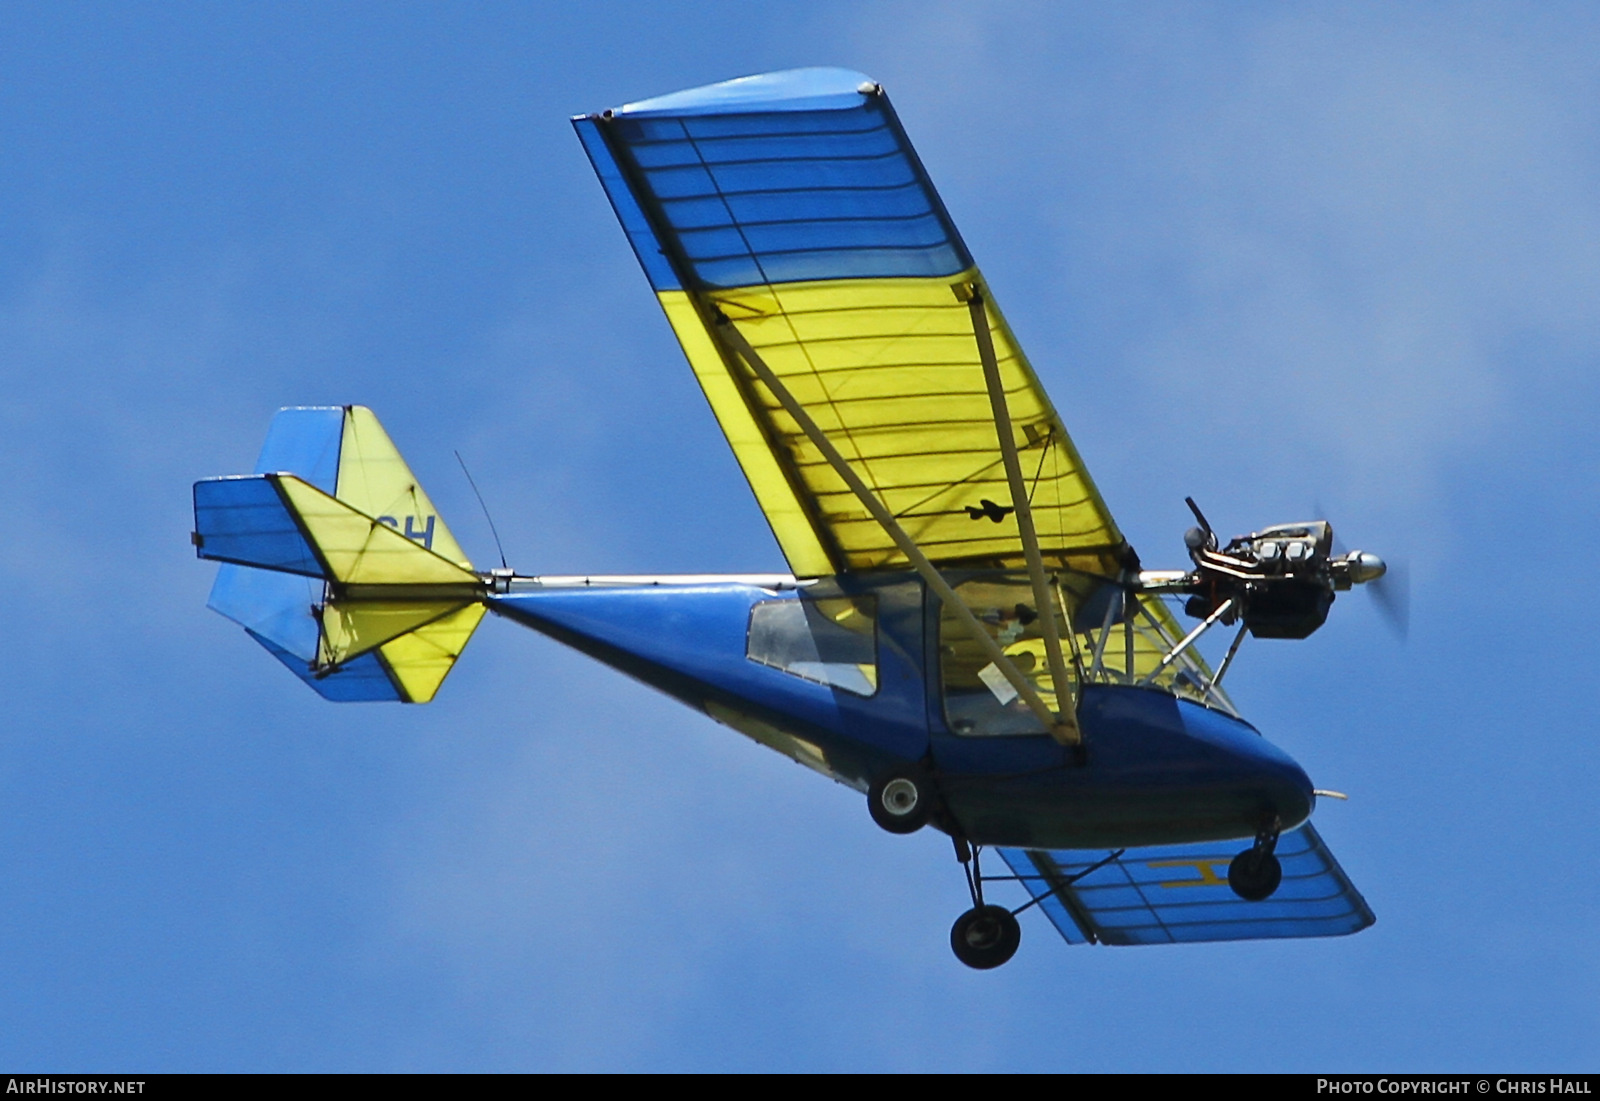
pixel 336 561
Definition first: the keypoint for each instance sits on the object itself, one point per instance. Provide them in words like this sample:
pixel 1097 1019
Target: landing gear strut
pixel 1255 873
pixel 985 936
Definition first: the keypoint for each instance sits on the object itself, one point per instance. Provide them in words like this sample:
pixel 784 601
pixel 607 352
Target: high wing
pixel 791 209
pixel 1180 893
pixel 870 388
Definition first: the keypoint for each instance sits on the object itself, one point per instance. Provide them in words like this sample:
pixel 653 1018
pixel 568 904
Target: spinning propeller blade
pixel 1391 592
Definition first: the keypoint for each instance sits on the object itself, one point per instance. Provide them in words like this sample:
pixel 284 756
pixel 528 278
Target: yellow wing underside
pixel 889 370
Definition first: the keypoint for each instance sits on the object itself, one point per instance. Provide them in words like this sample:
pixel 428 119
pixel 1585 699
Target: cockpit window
pixel 978 699
pixel 830 640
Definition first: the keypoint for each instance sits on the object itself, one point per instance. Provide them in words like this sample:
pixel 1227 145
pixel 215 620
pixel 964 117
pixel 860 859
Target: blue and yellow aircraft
pixel 965 635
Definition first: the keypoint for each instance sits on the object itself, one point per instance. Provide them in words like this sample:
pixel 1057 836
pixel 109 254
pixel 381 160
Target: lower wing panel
pixel 1178 894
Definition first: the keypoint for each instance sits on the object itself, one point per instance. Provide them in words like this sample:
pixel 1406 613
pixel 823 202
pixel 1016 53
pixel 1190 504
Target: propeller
pixel 1391 589
pixel 1202 536
pixel 1392 592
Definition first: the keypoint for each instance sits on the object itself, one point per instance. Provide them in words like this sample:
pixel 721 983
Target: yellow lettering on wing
pixel 1205 865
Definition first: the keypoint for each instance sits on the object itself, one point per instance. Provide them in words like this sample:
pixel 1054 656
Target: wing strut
pixel 1065 728
pixel 1061 731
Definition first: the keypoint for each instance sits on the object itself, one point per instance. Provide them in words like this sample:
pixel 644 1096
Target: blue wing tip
pixel 811 89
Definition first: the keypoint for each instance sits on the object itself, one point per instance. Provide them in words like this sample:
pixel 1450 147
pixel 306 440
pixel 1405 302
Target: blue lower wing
pixel 1179 894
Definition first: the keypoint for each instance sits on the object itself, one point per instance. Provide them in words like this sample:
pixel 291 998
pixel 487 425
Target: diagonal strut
pixel 907 546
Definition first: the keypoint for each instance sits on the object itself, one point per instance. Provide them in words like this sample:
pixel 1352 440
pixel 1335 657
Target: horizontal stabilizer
pixel 1179 893
pixel 279 608
pixel 245 520
pixel 363 680
pixel 278 522
pixel 408 668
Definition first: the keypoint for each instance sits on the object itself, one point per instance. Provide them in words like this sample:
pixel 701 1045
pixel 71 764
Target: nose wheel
pixel 1255 873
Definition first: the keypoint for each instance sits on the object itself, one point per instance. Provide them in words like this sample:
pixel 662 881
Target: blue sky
pixel 1265 255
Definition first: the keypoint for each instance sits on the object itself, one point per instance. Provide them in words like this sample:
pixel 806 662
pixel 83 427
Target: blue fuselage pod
pixel 844 675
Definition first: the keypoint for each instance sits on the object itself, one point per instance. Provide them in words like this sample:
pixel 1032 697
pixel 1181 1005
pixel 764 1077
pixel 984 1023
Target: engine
pixel 1280 580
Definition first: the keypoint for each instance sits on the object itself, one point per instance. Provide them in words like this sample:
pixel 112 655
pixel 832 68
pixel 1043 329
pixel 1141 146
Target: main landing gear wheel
pixel 985 937
pixel 1255 873
pixel 900 803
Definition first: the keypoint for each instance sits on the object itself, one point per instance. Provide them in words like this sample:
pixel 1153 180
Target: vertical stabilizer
pixel 375 480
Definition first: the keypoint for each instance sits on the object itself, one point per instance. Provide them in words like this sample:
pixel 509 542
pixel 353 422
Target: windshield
pixel 1114 638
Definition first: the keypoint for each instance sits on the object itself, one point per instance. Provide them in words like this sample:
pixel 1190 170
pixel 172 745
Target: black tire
pixel 1254 876
pixel 900 803
pixel 985 938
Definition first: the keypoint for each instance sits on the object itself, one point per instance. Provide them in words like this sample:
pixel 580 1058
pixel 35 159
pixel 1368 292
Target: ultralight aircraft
pixel 964 636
